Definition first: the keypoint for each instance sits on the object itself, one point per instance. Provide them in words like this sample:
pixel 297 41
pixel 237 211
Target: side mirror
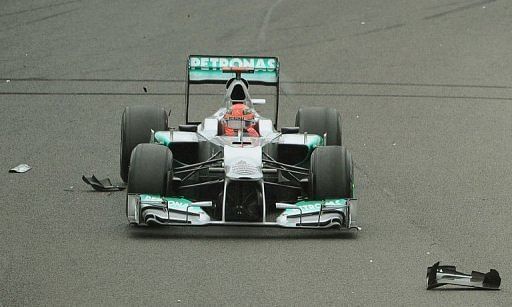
pixel 258 101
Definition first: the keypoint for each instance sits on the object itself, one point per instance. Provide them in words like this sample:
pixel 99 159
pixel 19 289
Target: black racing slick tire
pixel 150 170
pixel 331 174
pixel 136 125
pixel 320 120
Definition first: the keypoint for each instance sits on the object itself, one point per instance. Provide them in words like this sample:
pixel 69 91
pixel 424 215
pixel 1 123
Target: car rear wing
pixel 208 69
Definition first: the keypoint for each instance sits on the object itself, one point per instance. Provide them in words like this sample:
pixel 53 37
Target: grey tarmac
pixel 425 91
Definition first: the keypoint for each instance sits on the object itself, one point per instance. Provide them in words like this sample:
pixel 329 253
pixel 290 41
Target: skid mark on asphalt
pixel 293 46
pixel 289 89
pixel 50 16
pixel 300 27
pixel 399 84
pixel 261 36
pixel 36 21
pixel 399 96
pixel 445 5
pixel 396 26
pixel 39 8
pixel 287 94
pixel 90 80
pixel 263 29
pixel 458 9
pixel 405 84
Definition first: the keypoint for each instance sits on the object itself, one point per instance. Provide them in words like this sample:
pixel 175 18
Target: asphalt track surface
pixel 426 95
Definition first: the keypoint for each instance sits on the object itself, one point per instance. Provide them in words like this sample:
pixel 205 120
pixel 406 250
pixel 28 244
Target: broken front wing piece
pixel 440 275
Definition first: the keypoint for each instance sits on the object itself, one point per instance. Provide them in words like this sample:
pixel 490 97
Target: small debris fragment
pixel 26 54
pixel 483 7
pixel 428 253
pixel 145 89
pixel 179 301
pixel 69 188
pixel 103 185
pixel 7 80
pixel 22 168
pixel 371 261
pixel 394 144
pixel 363 23
pixel 357 116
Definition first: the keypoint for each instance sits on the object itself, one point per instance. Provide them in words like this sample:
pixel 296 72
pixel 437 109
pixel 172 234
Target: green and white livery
pixel 237 169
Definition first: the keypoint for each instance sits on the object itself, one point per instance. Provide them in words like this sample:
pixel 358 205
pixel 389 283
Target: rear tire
pixel 331 174
pixel 136 125
pixel 320 120
pixel 150 170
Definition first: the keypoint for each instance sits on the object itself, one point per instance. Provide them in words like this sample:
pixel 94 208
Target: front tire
pixel 150 170
pixel 136 125
pixel 331 174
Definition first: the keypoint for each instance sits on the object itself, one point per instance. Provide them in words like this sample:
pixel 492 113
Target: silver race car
pixel 234 167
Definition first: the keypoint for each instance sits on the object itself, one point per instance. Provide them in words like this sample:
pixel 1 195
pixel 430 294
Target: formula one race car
pixel 234 167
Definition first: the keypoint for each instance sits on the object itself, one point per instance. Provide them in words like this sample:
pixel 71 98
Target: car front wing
pixel 145 209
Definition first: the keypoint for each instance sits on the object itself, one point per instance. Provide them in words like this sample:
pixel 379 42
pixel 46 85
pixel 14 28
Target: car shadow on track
pixel 233 232
pixel 462 289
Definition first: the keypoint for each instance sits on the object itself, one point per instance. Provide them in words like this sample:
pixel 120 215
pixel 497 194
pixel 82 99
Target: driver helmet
pixel 239 110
